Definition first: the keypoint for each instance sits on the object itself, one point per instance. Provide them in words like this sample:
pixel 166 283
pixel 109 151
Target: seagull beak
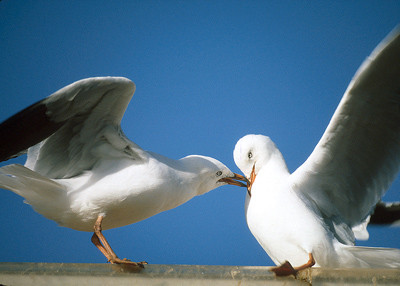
pixel 252 178
pixel 235 180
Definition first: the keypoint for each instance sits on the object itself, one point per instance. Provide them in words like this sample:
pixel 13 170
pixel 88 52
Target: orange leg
pixel 287 269
pixel 102 244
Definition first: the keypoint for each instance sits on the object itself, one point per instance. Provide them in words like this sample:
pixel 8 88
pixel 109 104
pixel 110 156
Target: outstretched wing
pixel 71 129
pixel 358 156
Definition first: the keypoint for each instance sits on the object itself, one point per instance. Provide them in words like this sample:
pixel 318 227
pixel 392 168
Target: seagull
pixel 313 216
pixel 84 173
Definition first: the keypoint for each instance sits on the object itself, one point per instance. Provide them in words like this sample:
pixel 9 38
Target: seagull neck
pixel 276 164
pixel 195 175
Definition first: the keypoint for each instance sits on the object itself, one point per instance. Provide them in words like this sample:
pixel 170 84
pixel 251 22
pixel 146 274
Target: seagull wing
pixel 358 156
pixel 69 131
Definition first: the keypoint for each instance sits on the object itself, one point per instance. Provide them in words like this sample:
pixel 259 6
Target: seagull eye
pixel 219 173
pixel 250 155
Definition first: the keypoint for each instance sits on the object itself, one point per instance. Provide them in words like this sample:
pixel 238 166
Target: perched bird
pixel 313 216
pixel 84 173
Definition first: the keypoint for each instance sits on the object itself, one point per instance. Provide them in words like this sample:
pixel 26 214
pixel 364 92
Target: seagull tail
pixel 370 257
pixel 40 192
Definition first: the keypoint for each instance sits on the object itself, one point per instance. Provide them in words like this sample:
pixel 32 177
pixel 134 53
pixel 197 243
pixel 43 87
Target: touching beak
pixel 235 180
pixel 252 178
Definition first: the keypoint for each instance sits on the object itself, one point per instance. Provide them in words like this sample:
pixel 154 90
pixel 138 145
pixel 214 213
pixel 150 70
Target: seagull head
pixel 212 173
pixel 251 153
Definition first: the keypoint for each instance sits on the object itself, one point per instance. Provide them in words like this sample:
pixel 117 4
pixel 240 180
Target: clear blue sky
pixel 207 73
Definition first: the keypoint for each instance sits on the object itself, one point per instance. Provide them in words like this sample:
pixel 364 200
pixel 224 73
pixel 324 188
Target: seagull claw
pixel 284 269
pixel 102 244
pixel 287 269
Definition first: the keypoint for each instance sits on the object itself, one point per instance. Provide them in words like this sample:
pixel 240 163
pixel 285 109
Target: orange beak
pixel 235 180
pixel 252 179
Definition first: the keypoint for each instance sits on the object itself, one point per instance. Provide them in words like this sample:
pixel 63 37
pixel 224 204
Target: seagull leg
pixel 287 269
pixel 310 263
pixel 97 243
pixel 102 244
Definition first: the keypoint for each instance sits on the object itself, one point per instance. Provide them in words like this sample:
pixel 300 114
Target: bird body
pixel 314 215
pixel 85 174
pixel 289 226
pixel 273 198
pixel 125 197
pixel 275 209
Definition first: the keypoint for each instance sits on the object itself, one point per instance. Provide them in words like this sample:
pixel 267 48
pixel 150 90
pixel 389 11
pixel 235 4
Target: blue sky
pixel 207 73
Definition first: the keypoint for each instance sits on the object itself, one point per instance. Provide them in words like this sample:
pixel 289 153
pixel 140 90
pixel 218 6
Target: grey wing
pixel 70 130
pixel 358 156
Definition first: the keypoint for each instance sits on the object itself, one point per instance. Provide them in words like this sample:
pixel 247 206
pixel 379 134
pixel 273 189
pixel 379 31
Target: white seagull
pixel 85 174
pixel 313 215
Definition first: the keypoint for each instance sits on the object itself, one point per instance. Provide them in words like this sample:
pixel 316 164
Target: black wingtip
pixel 386 214
pixel 25 129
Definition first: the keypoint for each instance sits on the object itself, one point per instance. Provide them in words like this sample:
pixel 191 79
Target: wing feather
pixel 78 124
pixel 358 156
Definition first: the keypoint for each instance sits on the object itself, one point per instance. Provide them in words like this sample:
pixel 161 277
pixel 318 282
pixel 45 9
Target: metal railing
pixel 153 274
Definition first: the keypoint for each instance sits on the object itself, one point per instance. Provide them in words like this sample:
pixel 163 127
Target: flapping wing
pixel 72 128
pixel 358 156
